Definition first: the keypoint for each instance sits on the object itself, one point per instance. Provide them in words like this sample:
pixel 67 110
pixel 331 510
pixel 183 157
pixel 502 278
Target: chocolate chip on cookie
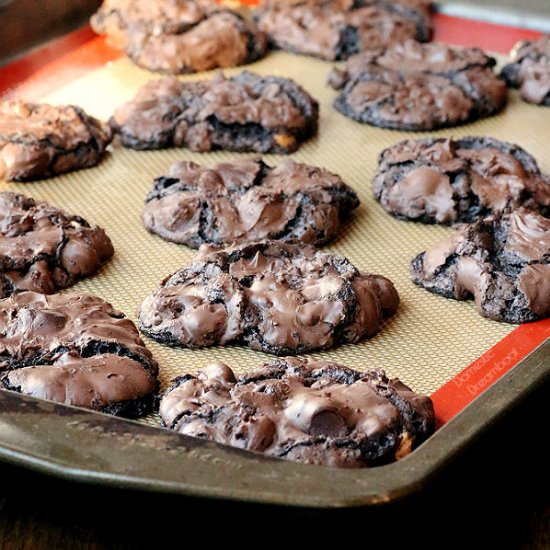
pixel 414 86
pixel 336 29
pixel 75 349
pixel 39 140
pixel 247 200
pixel 274 296
pixel 45 249
pixel 315 412
pixel 444 180
pixel 179 37
pixel 503 262
pixel 530 70
pixel 248 112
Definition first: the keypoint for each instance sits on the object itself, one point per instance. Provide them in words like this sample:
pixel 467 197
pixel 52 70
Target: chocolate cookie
pixel 530 70
pixel 336 29
pixel 181 36
pixel 440 180
pixel 39 140
pixel 247 200
pixel 247 112
pixel 315 412
pixel 77 350
pixel 277 297
pixel 502 261
pixel 414 86
pixel 45 249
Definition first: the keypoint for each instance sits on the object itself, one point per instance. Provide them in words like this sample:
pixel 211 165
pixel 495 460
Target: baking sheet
pixel 429 340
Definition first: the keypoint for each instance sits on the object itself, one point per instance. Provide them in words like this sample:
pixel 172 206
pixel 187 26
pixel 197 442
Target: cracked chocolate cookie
pixel 414 86
pixel 246 200
pixel 181 36
pixel 530 70
pixel 336 29
pixel 315 412
pixel 440 180
pixel 45 249
pixel 503 262
pixel 247 112
pixel 77 350
pixel 278 297
pixel 39 140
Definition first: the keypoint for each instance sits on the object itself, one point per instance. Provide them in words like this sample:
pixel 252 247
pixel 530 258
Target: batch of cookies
pixel 260 278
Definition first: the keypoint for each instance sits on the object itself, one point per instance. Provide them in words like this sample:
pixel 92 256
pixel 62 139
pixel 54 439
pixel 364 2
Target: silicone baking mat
pixel 427 343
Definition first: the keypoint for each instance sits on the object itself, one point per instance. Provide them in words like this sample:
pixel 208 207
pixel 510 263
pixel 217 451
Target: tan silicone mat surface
pixel 430 339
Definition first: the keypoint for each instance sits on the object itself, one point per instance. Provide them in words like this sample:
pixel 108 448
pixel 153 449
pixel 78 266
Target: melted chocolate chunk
pixel 315 412
pixel 247 112
pixel 503 262
pixel 336 29
pixel 45 249
pixel 179 37
pixel 277 297
pixel 77 350
pixel 414 86
pixel 247 200
pixel 530 70
pixel 442 180
pixel 39 140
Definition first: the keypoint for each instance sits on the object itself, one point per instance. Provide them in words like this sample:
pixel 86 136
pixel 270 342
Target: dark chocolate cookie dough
pixel 274 296
pixel 45 249
pixel 179 36
pixel 530 70
pixel 336 29
pixel 77 350
pixel 247 112
pixel 245 200
pixel 315 412
pixel 39 140
pixel 414 86
pixel 440 180
pixel 503 262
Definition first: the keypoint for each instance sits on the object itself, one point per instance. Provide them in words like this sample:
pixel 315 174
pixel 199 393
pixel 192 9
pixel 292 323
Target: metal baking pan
pixel 96 448
pixel 475 369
